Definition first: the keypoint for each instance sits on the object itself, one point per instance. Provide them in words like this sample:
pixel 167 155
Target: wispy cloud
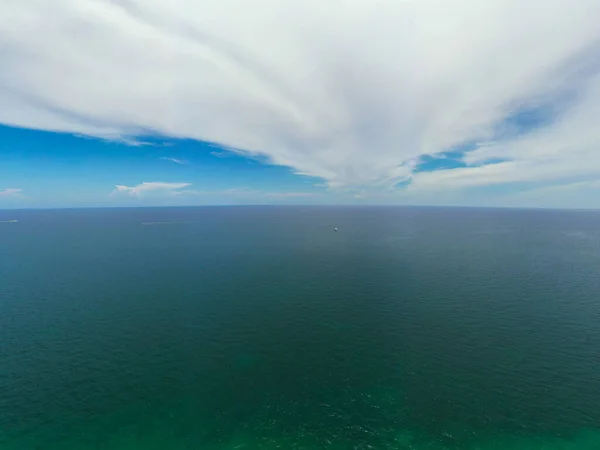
pixel 221 154
pixel 578 194
pixel 8 193
pixel 175 160
pixel 152 187
pixel 245 192
pixel 567 187
pixel 290 194
pixel 353 92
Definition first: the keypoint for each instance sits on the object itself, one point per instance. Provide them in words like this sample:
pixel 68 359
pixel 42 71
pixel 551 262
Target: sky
pixel 208 102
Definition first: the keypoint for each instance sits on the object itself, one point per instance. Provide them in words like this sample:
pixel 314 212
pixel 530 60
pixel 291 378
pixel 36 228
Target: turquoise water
pixel 261 328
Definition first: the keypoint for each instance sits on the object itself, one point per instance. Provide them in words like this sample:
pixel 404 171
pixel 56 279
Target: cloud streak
pixel 150 188
pixel 350 91
pixel 159 190
pixel 11 193
pixel 250 193
pixel 175 160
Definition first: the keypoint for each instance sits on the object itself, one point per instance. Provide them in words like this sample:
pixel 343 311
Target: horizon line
pixel 337 205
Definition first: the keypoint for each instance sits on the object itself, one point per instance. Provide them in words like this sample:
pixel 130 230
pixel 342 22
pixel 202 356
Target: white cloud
pixel 221 154
pixel 578 194
pixel 10 193
pixel 283 195
pixel 152 187
pixel 559 188
pixel 175 160
pixel 249 193
pixel 351 91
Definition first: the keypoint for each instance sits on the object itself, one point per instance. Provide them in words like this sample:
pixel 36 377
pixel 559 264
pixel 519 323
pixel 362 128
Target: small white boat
pixel 335 229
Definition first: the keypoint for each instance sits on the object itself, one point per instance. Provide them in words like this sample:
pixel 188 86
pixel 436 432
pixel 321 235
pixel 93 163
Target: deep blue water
pixel 261 327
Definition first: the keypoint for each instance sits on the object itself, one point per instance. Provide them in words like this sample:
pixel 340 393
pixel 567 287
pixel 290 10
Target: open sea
pixel 239 328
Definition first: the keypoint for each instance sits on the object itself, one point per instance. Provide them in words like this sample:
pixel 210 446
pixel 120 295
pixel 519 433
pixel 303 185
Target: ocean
pixel 263 328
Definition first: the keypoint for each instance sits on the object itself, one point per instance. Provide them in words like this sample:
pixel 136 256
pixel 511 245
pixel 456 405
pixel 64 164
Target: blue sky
pixel 66 170
pixel 305 102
